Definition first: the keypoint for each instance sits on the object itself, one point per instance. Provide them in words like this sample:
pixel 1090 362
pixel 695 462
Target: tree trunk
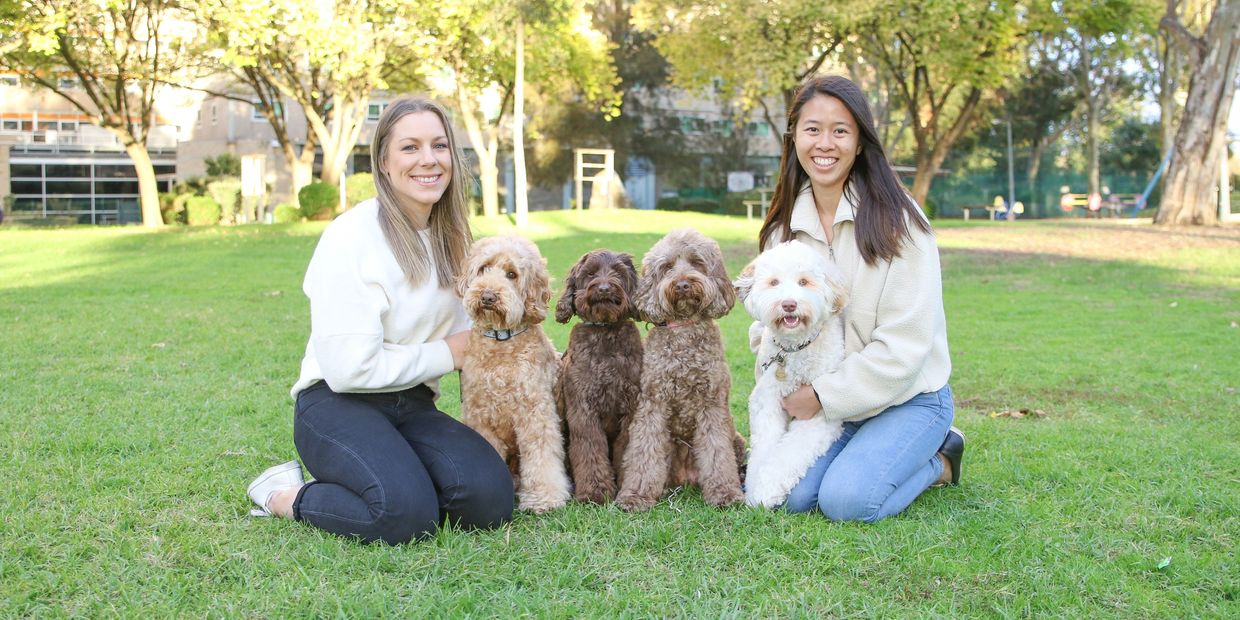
pixel 148 190
pixel 1190 196
pixel 1091 147
pixel 520 200
pixel 488 171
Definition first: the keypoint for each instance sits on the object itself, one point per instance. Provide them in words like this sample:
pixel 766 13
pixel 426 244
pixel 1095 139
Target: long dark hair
pixel 885 207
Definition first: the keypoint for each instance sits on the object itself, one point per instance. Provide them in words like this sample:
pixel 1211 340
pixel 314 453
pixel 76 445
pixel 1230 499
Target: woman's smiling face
pixel 826 141
pixel 418 160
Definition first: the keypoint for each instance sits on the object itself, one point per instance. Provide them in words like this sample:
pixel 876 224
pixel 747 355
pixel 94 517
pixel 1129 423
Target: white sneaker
pixel 277 478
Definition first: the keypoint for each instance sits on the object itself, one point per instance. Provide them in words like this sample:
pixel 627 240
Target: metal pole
pixel 1011 174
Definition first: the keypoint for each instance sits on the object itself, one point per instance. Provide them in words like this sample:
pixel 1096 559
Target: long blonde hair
pixel 450 237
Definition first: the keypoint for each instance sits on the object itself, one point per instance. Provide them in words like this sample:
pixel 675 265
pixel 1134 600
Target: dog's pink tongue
pixel 791 321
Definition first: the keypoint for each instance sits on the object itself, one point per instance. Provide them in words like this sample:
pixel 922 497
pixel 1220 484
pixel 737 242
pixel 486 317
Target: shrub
pixel 668 203
pixel 227 192
pixel 286 213
pixel 202 211
pixel 225 165
pixel 359 187
pixel 931 208
pixel 701 205
pixel 168 208
pixel 317 198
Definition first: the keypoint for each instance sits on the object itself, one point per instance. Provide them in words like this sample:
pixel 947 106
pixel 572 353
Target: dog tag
pixel 780 374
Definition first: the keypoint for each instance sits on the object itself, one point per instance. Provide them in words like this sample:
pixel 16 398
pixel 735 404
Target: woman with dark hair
pixel 385 324
pixel 837 192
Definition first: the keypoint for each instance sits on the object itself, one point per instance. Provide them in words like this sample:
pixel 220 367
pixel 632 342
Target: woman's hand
pixel 456 342
pixel 802 404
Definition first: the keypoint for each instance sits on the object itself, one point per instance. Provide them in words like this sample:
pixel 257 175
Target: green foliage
pixel 317 198
pixel 286 213
pixel 226 192
pixel 202 211
pixel 139 428
pixel 359 187
pixel 224 165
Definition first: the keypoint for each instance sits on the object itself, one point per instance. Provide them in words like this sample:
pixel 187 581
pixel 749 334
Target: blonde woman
pixel 385 324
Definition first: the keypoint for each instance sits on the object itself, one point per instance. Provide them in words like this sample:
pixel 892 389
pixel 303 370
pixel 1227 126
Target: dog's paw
pixel 540 505
pixel 723 497
pixel 631 502
pixel 594 495
pixel 764 500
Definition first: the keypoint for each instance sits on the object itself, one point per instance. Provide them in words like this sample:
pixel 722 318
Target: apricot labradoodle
pixel 510 367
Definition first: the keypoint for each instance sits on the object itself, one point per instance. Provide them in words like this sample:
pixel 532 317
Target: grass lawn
pixel 144 381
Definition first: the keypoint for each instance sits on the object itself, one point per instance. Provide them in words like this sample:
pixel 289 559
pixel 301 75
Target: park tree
pixel 562 53
pixel 649 130
pixel 325 55
pixel 1200 146
pixel 1102 40
pixel 945 60
pixel 115 56
pixel 753 52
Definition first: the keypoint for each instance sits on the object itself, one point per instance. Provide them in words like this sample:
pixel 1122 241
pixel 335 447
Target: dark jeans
pixel 392 467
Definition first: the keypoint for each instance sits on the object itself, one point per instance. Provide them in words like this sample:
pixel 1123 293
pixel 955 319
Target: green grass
pixel 144 381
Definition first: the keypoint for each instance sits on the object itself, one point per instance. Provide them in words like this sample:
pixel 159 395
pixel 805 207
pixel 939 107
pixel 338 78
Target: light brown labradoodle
pixel 601 371
pixel 683 406
pixel 510 367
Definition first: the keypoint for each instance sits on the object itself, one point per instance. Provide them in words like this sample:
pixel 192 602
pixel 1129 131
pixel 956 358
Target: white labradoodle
pixel 798 300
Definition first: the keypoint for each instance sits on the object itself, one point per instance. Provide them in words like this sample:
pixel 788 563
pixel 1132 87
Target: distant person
pixel 837 192
pixel 385 324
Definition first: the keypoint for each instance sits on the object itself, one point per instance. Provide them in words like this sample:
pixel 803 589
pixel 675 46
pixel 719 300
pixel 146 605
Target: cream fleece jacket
pixel 370 329
pixel 895 331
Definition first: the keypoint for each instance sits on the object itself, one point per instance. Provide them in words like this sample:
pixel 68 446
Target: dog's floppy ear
pixel 537 288
pixel 628 275
pixel 645 298
pixel 840 295
pixel 726 296
pixel 565 308
pixel 472 262
pixel 744 282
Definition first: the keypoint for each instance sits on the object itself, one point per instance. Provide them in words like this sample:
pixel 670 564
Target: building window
pixel 10 125
pixel 215 113
pixel 374 110
pixel 68 125
pixel 9 80
pixel 67 83
pixel 258 111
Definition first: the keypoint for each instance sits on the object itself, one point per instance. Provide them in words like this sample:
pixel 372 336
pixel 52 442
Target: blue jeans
pixel 879 465
pixel 391 467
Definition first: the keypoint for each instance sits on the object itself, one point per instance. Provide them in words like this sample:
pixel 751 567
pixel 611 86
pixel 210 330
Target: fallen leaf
pixel 159 345
pixel 273 293
pixel 1164 563
pixel 1174 304
pixel 1235 324
pixel 1017 414
pixel 1229 390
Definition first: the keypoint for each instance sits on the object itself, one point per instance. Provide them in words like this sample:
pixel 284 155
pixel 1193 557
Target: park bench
pixel 1113 203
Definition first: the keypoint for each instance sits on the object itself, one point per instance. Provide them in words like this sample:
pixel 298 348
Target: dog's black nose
pixel 487 298
pixel 789 305
pixel 603 287
pixel 682 286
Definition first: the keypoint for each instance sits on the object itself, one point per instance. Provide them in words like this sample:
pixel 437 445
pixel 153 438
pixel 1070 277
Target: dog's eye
pixel 773 282
pixel 512 275
pixel 803 282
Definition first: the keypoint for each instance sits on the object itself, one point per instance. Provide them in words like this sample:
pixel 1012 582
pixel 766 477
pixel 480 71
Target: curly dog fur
pixel 600 373
pixel 510 367
pixel 798 299
pixel 683 408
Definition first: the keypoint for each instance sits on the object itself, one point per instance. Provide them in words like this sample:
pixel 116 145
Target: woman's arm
pixel 909 320
pixel 347 301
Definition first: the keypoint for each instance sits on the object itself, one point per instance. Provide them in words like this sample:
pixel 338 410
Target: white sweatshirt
pixel 895 332
pixel 370 329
